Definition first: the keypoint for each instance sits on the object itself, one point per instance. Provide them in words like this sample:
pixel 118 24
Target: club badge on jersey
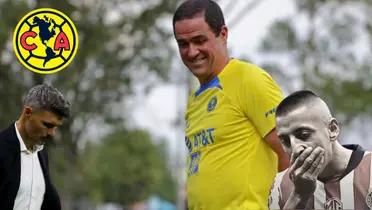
pixel 212 104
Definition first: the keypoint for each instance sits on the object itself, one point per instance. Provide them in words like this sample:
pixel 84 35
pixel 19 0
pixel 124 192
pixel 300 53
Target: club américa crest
pixel 45 41
pixel 212 104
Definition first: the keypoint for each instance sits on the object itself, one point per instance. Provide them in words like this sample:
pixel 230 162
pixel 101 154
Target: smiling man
pixel 230 125
pixel 24 174
pixel 323 174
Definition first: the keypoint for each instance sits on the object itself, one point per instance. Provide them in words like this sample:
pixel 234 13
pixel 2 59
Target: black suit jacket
pixel 10 173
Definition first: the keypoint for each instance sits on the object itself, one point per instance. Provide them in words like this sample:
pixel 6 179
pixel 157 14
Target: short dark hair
pixel 294 100
pixel 213 15
pixel 48 98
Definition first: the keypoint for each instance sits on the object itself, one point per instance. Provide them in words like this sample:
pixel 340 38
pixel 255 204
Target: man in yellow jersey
pixel 230 123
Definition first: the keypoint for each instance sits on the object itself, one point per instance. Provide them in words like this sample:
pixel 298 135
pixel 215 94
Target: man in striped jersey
pixel 323 174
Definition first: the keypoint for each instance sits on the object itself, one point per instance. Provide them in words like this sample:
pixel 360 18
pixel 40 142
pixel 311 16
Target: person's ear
pixel 333 129
pixel 27 111
pixel 224 34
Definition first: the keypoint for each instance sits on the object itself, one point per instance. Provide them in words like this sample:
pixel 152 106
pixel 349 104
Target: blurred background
pixel 123 147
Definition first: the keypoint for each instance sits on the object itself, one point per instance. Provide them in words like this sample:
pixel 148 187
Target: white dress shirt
pixel 31 190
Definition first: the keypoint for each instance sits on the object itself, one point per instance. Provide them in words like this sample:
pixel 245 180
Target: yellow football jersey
pixel 229 164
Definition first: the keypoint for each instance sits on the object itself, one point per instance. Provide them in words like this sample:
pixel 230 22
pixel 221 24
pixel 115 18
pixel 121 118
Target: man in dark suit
pixel 24 172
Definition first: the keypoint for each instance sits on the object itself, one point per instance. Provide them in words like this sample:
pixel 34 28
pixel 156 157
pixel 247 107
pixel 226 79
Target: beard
pixel 44 140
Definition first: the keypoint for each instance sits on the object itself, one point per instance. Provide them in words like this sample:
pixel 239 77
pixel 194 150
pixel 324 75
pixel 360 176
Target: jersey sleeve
pixel 275 198
pixel 261 96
